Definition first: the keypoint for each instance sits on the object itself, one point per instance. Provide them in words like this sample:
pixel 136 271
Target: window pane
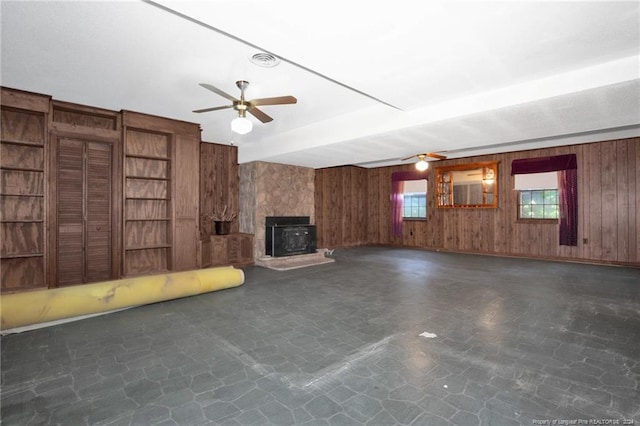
pixel 422 201
pixel 423 212
pixel 537 197
pixel 525 197
pixel 551 196
pixel 551 212
pixel 537 211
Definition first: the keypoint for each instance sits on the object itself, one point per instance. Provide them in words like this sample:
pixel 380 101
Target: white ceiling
pixel 375 81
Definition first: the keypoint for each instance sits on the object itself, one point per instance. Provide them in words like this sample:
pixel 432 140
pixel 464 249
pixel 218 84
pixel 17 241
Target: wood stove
pixel 289 235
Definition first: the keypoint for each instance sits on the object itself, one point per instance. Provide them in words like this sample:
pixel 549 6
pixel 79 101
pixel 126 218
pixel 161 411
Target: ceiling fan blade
pixel 213 109
pixel 218 91
pixel 426 154
pixel 260 115
pixel 278 100
pixel 437 156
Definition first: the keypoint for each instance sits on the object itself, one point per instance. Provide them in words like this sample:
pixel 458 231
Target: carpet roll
pixel 33 307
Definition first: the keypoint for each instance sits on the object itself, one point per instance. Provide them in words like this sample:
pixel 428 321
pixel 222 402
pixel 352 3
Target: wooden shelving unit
pixel 88 194
pixel 148 222
pixel 22 199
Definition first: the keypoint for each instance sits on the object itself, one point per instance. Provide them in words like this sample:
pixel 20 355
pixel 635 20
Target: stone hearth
pixel 294 262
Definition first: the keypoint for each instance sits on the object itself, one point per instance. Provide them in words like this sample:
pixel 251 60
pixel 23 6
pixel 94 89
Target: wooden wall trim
pixel 24 100
pixel 160 124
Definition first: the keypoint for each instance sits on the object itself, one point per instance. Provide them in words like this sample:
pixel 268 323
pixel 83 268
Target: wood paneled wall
pixel 608 222
pixel 219 183
pixel 341 201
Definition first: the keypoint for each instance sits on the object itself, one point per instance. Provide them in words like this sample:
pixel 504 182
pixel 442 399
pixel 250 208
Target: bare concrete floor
pixel 517 342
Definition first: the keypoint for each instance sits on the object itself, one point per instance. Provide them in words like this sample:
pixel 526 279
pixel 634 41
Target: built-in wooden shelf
pixel 148 178
pixel 150 247
pixel 21 169
pixel 20 256
pixel 149 198
pixel 24 133
pixel 23 143
pixel 148 157
pixel 161 219
pixel 22 195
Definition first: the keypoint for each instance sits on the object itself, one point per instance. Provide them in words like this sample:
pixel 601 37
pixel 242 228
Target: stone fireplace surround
pixel 271 189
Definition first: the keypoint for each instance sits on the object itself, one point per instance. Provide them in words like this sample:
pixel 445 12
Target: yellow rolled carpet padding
pixel 33 307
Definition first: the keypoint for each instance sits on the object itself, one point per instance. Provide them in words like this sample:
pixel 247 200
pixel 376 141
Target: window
pixel 414 199
pixel 537 195
pixel 538 204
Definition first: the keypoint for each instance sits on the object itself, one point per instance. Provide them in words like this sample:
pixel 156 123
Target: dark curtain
pixel 397 187
pixel 544 164
pixel 567 168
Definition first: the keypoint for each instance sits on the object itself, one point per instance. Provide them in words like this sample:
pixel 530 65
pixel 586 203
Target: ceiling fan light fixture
pixel 422 165
pixel 241 125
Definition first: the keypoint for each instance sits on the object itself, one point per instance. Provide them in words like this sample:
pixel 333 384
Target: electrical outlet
pixel 585 240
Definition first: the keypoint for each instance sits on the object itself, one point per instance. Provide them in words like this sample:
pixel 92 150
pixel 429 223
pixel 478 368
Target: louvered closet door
pixel 98 208
pixel 84 211
pixel 70 212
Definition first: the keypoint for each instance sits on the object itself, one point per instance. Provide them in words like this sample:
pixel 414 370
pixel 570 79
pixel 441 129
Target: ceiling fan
pixel 241 124
pixel 422 165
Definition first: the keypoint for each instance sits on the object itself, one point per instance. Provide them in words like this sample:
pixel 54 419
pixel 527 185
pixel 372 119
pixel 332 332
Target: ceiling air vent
pixel 266 60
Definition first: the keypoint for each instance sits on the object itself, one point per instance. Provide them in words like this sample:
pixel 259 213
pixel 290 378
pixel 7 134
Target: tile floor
pixel 517 342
